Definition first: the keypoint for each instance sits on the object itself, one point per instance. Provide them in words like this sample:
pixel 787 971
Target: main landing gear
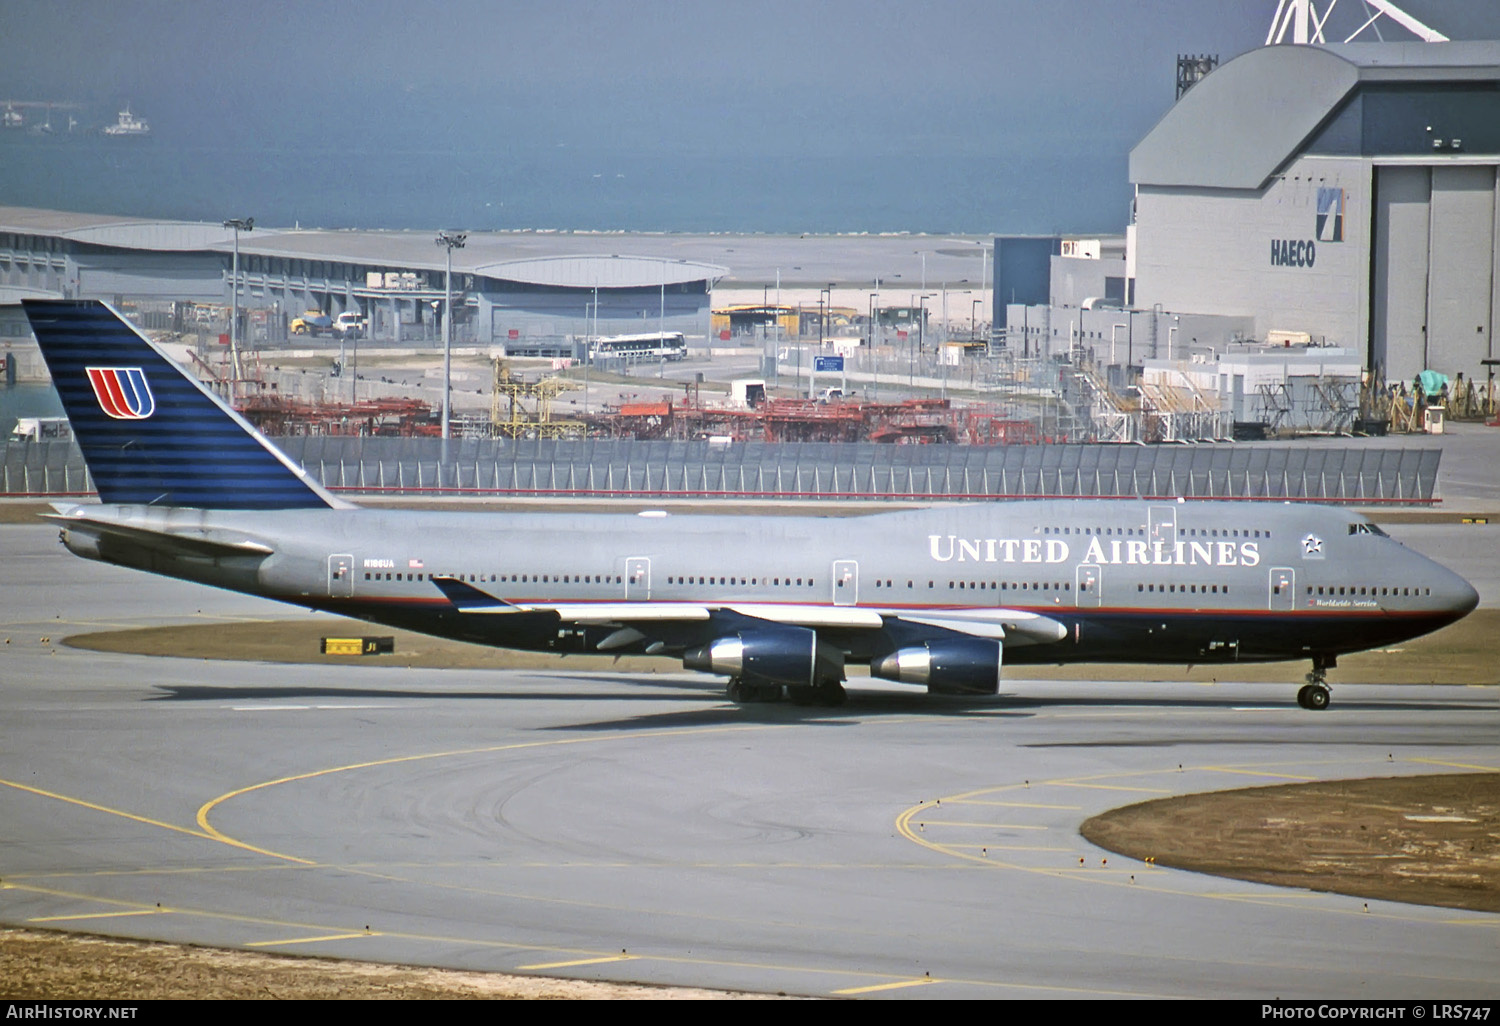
pixel 741 693
pixel 828 693
pixel 1314 694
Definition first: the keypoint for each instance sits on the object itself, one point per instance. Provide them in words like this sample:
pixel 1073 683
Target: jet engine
pixel 786 655
pixel 957 666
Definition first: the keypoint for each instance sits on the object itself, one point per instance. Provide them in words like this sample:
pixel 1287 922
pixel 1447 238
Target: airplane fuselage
pixel 1112 580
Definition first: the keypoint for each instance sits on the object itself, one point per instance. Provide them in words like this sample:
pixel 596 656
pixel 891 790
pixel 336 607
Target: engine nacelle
pixel 947 667
pixel 791 655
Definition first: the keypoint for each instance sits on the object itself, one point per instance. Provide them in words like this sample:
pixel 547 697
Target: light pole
pixel 944 327
pixel 239 224
pixel 922 327
pixel 449 241
pixel 589 347
pixel 985 283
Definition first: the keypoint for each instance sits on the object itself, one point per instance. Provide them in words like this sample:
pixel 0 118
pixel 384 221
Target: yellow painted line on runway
pixel 1456 765
pixel 924 981
pixel 95 807
pixel 164 871
pixel 209 806
pixel 522 946
pixel 580 961
pixel 982 826
pixel 288 942
pixel 1256 773
pixel 1159 879
pixel 1016 805
pixel 1299 895
pixel 100 915
pixel 1111 787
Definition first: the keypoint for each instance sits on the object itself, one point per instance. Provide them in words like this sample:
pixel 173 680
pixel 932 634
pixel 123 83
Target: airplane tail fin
pixel 151 433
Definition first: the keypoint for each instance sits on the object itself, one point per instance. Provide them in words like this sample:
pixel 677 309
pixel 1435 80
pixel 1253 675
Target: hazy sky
pixel 694 80
pixel 1021 56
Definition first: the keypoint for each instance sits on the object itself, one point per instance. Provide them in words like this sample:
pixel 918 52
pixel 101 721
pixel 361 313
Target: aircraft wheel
pixel 1313 696
pixel 741 693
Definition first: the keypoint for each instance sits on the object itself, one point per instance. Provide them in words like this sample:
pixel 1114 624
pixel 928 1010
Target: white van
pixel 350 324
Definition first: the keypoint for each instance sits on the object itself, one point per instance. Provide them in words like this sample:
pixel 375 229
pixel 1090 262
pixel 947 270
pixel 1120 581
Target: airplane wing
pixel 644 621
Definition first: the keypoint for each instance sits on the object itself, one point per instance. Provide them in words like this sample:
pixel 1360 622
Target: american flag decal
pixel 122 392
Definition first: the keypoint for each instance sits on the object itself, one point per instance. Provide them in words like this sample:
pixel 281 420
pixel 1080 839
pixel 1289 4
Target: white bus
pixel 654 345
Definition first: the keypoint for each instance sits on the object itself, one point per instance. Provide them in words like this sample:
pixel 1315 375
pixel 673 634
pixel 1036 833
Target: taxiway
pixel 638 827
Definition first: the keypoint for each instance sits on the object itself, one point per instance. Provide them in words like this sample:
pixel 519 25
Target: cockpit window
pixel 1367 529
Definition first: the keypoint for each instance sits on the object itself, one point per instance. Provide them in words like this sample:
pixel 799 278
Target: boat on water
pixel 128 124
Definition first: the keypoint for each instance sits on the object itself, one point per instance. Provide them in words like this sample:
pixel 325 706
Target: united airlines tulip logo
pixel 122 392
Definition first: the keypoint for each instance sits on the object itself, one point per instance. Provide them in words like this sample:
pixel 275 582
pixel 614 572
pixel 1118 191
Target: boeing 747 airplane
pixel 941 598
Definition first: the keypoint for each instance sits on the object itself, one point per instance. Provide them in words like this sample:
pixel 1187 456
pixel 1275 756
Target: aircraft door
pixel 1283 589
pixel 845 582
pixel 340 576
pixel 1164 526
pixel 1089 585
pixel 638 578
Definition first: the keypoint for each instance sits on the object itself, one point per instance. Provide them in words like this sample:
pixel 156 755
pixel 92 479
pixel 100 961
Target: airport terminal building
pixel 533 292
pixel 1345 192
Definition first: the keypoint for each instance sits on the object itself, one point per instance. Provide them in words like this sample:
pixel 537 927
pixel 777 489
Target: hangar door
pixel 1433 304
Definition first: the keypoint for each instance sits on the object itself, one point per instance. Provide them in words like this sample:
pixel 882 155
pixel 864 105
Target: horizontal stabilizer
pixel 180 540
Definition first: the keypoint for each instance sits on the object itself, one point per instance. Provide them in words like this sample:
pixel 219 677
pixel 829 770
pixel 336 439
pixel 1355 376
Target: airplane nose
pixel 1465 597
pixel 1456 595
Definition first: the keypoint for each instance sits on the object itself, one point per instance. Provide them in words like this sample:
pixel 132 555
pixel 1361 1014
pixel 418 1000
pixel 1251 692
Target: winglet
pixel 465 597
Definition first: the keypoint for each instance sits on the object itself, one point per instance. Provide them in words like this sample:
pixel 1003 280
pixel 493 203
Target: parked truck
pixel 312 323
